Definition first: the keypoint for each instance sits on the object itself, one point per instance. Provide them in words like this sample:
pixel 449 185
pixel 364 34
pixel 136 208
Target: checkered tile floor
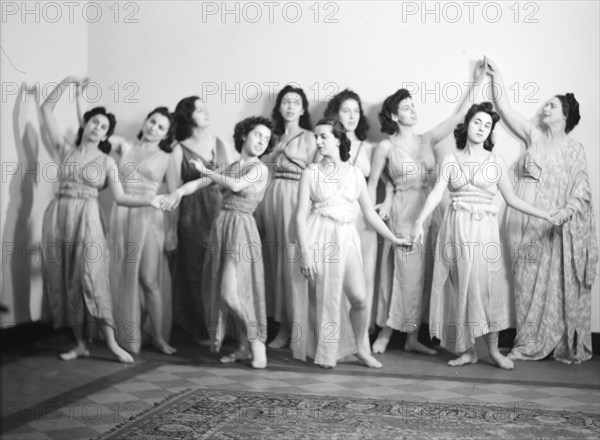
pixel 104 408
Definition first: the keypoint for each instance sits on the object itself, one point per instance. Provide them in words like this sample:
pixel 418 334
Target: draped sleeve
pixel 580 231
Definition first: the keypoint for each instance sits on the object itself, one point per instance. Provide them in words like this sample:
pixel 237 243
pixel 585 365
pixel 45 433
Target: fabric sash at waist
pixel 478 205
pixel 77 191
pixel 239 204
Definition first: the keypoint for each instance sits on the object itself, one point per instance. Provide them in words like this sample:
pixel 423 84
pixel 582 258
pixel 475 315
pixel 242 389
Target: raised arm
pixel 445 128
pixel 55 134
pixel 380 157
pixel 79 101
pixel 516 123
pixel 511 199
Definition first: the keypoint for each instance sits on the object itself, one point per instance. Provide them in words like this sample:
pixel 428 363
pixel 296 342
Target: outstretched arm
pixel 435 197
pixel 511 199
pixel 116 189
pixel 515 122
pixel 366 205
pixel 445 128
pixel 253 173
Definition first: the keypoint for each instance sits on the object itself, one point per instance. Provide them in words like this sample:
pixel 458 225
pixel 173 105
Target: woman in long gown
pixel 465 300
pixel 410 161
pixel 76 276
pixel 233 272
pixel 140 279
pixel 196 212
pixel 293 153
pixel 331 250
pixel 554 264
pixel 347 107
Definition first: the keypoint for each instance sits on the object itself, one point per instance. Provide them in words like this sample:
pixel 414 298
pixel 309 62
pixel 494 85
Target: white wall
pixel 38 53
pixel 178 49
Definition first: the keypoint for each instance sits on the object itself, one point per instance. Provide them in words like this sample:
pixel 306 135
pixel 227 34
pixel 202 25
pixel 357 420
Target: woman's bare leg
pixel 355 288
pixel 149 275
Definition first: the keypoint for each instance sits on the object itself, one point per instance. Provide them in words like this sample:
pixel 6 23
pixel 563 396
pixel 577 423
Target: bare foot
pixel 326 366
pixel 121 355
pixel 416 347
pixel 259 355
pixel 468 357
pixel 241 354
pixel 165 348
pixel 368 360
pixel 280 340
pixel 77 352
pixel 383 339
pixel 502 361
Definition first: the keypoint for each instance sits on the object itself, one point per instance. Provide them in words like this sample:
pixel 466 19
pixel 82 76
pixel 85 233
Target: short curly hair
pixel 103 145
pixel 339 132
pixel 279 125
pixel 245 126
pixel 165 144
pixel 389 108
pixel 570 109
pixel 333 109
pixel 460 132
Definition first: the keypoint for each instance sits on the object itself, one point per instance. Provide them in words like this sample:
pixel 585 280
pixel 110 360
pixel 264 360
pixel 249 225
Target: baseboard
pixel 28 334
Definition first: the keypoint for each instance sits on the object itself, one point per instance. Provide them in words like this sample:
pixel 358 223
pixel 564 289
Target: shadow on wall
pixel 17 233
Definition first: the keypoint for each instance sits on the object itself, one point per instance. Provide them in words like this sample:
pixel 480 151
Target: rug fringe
pixel 130 418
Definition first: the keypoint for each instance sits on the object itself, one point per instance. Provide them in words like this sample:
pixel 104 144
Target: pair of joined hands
pixel 169 202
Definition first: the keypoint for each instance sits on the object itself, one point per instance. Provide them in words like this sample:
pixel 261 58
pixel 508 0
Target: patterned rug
pixel 199 414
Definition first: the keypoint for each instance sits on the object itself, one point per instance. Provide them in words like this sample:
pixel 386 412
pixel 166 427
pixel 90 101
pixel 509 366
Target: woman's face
pixel 349 114
pixel 327 144
pixel 479 128
pixel 96 128
pixel 200 114
pixel 291 107
pixel 553 112
pixel 155 128
pixel 257 141
pixel 406 114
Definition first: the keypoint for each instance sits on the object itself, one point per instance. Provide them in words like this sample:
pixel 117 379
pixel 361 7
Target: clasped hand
pixel 166 202
pixel 559 216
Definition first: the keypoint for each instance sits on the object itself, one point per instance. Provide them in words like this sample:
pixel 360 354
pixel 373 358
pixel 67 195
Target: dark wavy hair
pixel 183 124
pixel 460 132
pixel 570 109
pixel 278 122
pixel 333 109
pixel 165 144
pixel 245 126
pixel 389 108
pixel 338 131
pixel 103 145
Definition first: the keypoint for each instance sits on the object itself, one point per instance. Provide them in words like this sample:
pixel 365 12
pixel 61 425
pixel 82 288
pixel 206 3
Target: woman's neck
pixel 555 132
pixel 148 145
pixel 473 149
pixel 87 146
pixel 199 134
pixel 291 127
pixel 404 133
pixel 352 136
